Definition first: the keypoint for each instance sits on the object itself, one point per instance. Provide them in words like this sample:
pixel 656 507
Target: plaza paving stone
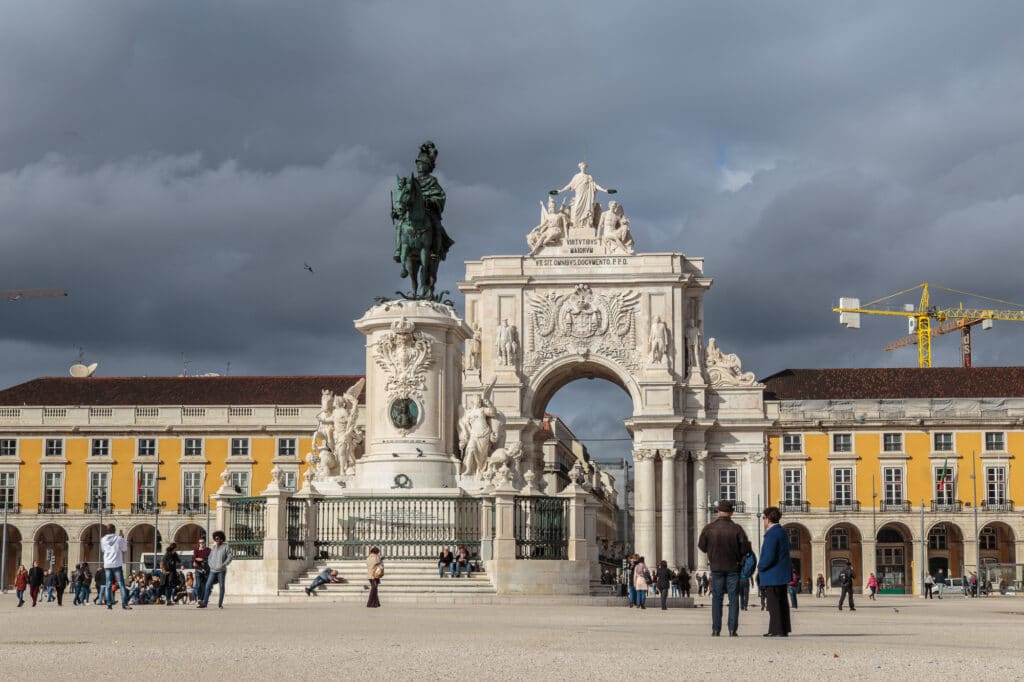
pixel 893 638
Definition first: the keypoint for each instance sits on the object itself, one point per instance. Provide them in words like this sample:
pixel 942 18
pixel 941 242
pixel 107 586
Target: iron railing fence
pixel 296 511
pixel 247 527
pixel 410 528
pixel 542 528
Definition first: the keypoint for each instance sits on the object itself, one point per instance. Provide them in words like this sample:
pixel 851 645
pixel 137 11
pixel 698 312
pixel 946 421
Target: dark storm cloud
pixel 175 164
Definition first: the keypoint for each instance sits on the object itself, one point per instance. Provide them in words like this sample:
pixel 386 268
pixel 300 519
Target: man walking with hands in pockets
pixel 726 544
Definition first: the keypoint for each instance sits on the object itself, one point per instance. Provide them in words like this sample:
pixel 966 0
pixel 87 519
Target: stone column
pixel 700 459
pixel 668 507
pixel 818 564
pixel 275 538
pixel 914 578
pixel 867 562
pixel 312 509
pixel 683 504
pixel 645 541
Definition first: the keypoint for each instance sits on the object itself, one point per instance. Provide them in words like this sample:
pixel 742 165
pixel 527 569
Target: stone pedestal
pixel 413 384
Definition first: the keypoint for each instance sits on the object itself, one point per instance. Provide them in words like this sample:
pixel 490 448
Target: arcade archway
pixel 800 552
pixel 51 546
pixel 187 537
pixel 996 544
pixel 842 544
pixel 893 554
pixel 13 554
pixel 140 541
pixel 90 539
pixel 945 549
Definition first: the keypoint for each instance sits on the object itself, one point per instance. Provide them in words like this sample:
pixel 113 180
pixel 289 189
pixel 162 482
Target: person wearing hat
pixel 726 544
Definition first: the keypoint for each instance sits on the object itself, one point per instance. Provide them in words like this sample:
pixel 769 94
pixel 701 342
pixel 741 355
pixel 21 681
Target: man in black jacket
pixel 35 581
pixel 60 584
pixel 846 577
pixel 726 544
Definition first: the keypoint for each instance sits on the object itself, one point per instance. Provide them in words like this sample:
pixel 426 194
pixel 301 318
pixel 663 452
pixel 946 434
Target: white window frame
pixel 138 447
pixel 787 486
pixel 291 480
pixel 185 447
pixel 935 441
pixel 1002 441
pixel 6 451
pixel 47 473
pixel 234 473
pixel 796 444
pixel 13 473
pixel 852 483
pixel 1002 482
pixel 242 441
pixel 902 471
pixel 294 447
pixel 894 434
pixel 842 434
pixel 144 493
pixel 950 497
pixel 186 474
pixel 99 447
pixel 106 487
pixel 60 446
pixel 724 486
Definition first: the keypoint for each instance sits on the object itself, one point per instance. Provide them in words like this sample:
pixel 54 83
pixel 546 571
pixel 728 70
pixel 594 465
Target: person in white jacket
pixel 114 547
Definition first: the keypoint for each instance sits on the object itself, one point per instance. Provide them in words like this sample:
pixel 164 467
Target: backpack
pixel 747 566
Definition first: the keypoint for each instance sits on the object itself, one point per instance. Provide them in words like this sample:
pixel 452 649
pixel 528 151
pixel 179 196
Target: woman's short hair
pixel 375 550
pixel 773 514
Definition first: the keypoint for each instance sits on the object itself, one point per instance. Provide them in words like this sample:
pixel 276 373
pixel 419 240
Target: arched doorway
pixel 51 546
pixel 893 553
pixel 91 551
pixel 13 554
pixel 800 553
pixel 996 544
pixel 140 541
pixel 945 549
pixel 842 544
pixel 186 537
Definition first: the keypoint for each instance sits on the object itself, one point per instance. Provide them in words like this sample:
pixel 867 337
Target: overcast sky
pixel 173 165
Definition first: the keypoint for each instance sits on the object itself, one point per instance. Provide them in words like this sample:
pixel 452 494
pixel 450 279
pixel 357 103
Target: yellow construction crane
pixel 921 317
pixel 964 326
pixel 19 294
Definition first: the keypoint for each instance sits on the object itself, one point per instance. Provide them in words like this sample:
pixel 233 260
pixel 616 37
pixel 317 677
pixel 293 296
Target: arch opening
pixel 893 554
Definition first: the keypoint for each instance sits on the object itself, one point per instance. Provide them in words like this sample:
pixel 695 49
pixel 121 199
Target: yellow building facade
pixel 900 471
pixel 143 454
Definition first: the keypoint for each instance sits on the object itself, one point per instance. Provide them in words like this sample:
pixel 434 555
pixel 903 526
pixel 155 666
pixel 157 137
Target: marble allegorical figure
pixel 724 369
pixel 480 429
pixel 473 350
pixel 552 229
pixel 614 229
pixel 337 433
pixel 658 341
pixel 585 191
pixel 508 343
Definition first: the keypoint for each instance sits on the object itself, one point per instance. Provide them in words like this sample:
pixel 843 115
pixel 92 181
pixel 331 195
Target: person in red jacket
pixel 20 583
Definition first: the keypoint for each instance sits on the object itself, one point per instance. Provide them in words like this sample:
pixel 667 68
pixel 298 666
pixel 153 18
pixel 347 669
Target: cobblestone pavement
pixel 892 638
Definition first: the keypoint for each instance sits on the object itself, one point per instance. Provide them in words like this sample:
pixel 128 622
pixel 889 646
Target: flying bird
pixel 309 267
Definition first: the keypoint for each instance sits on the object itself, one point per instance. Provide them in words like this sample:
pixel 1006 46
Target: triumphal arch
pixel 582 302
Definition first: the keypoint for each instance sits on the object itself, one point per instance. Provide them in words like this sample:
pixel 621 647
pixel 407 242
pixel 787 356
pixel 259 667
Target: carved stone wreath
pixel 583 322
pixel 404 355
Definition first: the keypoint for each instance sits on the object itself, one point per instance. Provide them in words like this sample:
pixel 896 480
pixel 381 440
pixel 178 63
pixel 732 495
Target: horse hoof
pixel 404 273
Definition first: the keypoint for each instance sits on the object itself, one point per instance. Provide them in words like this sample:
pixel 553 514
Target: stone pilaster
pixel 644 503
pixel 700 459
pixel 668 507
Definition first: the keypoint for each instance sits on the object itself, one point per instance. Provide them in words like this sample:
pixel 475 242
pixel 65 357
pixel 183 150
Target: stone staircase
pixel 404 581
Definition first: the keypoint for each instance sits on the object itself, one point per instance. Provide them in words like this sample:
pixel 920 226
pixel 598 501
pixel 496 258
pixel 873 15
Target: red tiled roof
pixel 895 383
pixel 240 390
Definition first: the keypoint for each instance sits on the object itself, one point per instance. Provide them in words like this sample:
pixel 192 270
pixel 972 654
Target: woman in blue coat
pixel 774 571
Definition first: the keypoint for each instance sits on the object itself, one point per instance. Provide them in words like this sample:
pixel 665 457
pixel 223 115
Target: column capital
pixel 670 454
pixel 644 454
pixel 756 457
pixel 699 455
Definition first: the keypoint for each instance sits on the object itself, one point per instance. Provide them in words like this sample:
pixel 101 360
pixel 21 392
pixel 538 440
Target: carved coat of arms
pixel 404 354
pixel 583 322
